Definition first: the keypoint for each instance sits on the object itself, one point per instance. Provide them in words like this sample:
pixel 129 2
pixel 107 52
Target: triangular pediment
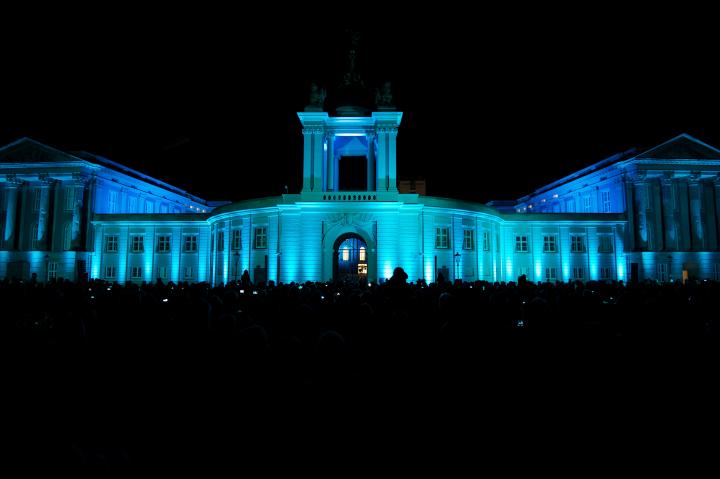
pixel 682 147
pixel 26 150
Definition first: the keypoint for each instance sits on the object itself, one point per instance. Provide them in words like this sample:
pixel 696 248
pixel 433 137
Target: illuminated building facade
pixel 640 214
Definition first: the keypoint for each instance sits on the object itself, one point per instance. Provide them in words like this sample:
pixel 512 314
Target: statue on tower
pixel 383 97
pixel 317 98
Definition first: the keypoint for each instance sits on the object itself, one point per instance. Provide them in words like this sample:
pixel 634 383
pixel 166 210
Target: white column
pixel 307 159
pixel 12 189
pixel 371 162
pixel 392 160
pixel 381 160
pixel 630 212
pixel 696 227
pixel 77 213
pixel 330 175
pixel 317 159
pixel 44 211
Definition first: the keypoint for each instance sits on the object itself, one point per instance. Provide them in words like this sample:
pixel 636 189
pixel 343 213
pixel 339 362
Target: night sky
pixel 495 105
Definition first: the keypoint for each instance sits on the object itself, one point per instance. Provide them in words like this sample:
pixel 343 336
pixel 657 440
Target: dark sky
pixel 496 103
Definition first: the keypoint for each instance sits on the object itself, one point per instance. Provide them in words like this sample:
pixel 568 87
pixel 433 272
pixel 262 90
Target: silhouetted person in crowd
pixel 245 279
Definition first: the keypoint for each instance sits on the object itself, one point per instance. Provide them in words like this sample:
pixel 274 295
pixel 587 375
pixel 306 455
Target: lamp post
pixel 457 264
pixel 237 258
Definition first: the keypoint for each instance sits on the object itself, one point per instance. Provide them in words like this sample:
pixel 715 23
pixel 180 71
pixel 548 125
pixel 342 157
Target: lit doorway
pixel 350 258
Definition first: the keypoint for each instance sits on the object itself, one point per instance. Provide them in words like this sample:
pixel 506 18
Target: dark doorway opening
pixel 353 173
pixel 350 258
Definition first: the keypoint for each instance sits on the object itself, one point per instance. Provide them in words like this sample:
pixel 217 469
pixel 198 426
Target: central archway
pixel 350 258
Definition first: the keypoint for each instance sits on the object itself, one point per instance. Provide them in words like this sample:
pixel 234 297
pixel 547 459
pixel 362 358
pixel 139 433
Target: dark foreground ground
pixel 164 373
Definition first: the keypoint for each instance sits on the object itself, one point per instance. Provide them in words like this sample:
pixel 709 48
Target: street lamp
pixel 237 258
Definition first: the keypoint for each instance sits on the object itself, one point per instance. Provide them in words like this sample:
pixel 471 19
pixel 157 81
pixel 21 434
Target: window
pixel 163 244
pixel 221 241
pixel 261 237
pixel 549 244
pixel 69 198
pixel 578 273
pixel 132 204
pixel 52 270
pixel 577 244
pixel 162 272
pixel 34 242
pixel 605 198
pixel 136 272
pixel 67 237
pixel 148 206
pixel 468 239
pixel 112 201
pixel 550 274
pixel 110 272
pixel 442 236
pixel 486 241
pixel 663 272
pixel 137 244
pixel 36 199
pixel 111 244
pixel 521 244
pixel 604 273
pixel 570 205
pixel 363 254
pixel 605 244
pixel 188 272
pixel 587 204
pixel 191 244
pixel 237 239
pixel 346 254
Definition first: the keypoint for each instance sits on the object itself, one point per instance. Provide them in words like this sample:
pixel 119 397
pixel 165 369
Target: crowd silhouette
pixel 95 362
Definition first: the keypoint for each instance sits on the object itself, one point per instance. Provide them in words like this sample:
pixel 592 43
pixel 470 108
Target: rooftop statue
pixel 383 97
pixel 317 98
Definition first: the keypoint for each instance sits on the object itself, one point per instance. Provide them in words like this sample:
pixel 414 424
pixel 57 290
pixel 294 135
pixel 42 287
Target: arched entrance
pixel 350 258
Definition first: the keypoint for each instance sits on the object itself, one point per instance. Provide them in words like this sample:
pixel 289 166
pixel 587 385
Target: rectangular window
pixel 363 254
pixel 36 199
pixel 132 205
pixel 521 244
pixel 67 237
pixel 486 241
pixel 570 205
pixel 191 244
pixel 137 244
pixel 110 272
pixel 605 197
pixel 34 242
pixel 260 237
pixel 221 241
pixel 587 204
pixel 112 201
pixel 136 272
pixel 442 237
pixel 663 272
pixel 578 273
pixel 605 244
pixel 111 244
pixel 550 274
pixel 148 206
pixel 346 254
pixel 52 270
pixel 69 198
pixel 163 244
pixel 549 244
pixel 604 273
pixel 188 272
pixel 237 239
pixel 577 244
pixel 468 239
pixel 162 272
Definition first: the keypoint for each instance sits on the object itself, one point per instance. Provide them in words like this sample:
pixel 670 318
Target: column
pixel 630 212
pixel 307 159
pixel 318 143
pixel 716 191
pixel 13 185
pixel 694 198
pixel 381 160
pixel 669 219
pixel 371 162
pixel 330 154
pixel 78 184
pixel 640 194
pixel 656 210
pixel 43 218
pixel 391 160
pixel 709 215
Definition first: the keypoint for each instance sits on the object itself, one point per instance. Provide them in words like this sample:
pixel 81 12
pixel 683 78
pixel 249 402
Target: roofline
pixel 681 135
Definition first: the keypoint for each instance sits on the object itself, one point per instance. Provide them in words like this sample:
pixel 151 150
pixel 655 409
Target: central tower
pixel 336 145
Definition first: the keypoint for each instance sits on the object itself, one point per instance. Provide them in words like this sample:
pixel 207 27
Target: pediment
pixel 683 147
pixel 26 150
